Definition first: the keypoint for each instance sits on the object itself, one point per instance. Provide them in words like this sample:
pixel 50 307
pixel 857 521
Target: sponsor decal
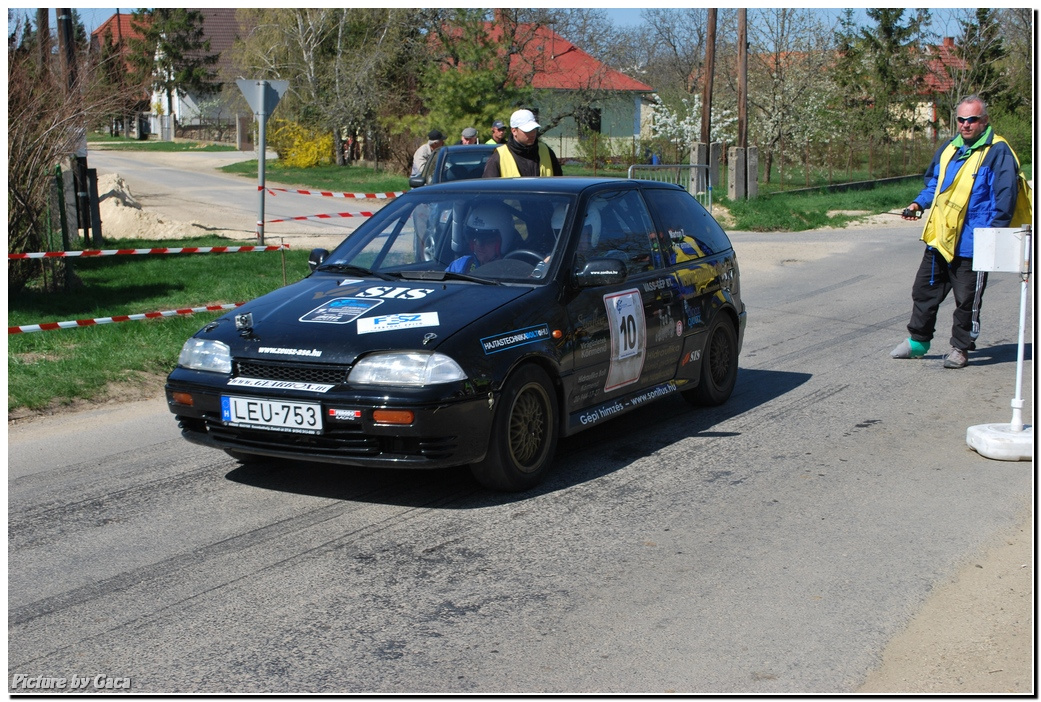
pixel 345 415
pixel 628 337
pixel 279 384
pixel 340 310
pixel 387 292
pixel 691 357
pixel 309 353
pixel 592 348
pixel 512 339
pixel 597 414
pixel 348 281
pixel 394 322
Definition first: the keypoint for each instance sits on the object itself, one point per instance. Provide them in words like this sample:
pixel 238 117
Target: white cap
pixel 523 120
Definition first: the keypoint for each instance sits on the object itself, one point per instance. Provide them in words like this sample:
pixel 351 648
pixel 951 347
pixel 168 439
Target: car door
pixel 698 257
pixel 625 335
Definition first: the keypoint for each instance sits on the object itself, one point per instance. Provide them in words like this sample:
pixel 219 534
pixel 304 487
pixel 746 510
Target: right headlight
pixel 206 355
pixel 414 368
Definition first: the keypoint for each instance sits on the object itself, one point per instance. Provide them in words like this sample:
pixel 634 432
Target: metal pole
pixel 261 160
pixel 1017 402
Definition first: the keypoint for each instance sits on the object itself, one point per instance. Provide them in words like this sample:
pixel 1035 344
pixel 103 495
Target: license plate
pixel 275 415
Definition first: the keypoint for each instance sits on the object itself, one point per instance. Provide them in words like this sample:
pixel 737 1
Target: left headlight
pixel 206 355
pixel 406 368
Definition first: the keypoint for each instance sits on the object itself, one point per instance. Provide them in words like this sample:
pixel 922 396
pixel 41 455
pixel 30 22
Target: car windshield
pixel 487 236
pixel 464 165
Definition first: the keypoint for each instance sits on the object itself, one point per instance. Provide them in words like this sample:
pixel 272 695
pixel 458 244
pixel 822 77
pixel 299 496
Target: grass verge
pixel 49 368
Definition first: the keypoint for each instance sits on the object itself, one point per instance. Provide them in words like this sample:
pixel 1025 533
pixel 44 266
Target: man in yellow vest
pixel 971 182
pixel 522 154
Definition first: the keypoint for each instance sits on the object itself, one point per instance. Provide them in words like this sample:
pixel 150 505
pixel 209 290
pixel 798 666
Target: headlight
pixel 406 368
pixel 206 355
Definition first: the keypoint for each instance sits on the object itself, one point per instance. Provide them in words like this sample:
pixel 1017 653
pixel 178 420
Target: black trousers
pixel 934 280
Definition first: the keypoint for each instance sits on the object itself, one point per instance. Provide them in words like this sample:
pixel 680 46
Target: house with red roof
pixel 220 27
pixel 575 92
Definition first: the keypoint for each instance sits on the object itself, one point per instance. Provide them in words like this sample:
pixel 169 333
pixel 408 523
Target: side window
pixel 617 225
pixel 689 230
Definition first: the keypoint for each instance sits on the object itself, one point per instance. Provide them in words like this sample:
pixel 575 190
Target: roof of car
pixel 559 184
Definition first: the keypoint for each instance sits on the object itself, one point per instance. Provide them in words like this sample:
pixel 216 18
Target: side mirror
pixel 416 181
pixel 601 271
pixel 316 258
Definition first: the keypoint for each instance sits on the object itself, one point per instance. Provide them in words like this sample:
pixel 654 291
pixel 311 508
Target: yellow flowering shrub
pixel 298 146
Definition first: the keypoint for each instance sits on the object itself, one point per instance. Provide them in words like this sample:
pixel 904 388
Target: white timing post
pixel 1007 251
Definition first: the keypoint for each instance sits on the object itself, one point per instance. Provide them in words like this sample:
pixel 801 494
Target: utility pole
pixel 79 159
pixel 742 78
pixel 43 35
pixel 710 69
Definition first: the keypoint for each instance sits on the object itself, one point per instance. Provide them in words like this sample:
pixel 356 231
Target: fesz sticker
pixel 393 322
pixel 628 327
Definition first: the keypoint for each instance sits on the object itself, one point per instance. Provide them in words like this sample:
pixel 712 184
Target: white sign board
pixel 1001 250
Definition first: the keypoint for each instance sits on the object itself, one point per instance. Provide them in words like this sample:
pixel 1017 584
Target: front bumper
pixel 443 432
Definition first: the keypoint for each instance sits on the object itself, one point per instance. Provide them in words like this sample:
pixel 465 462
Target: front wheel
pixel 718 366
pixel 524 434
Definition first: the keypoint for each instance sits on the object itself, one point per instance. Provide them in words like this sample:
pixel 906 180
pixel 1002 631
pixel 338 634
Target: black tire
pixel 718 366
pixel 524 434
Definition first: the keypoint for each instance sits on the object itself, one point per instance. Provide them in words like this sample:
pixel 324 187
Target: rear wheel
pixel 718 366
pixel 524 434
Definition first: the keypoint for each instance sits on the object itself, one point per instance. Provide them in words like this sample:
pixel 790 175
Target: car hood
pixel 336 319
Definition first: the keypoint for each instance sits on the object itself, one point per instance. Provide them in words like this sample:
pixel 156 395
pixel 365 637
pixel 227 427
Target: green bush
pixel 1017 130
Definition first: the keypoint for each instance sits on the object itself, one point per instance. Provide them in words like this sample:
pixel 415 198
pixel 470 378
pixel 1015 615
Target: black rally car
pixel 474 323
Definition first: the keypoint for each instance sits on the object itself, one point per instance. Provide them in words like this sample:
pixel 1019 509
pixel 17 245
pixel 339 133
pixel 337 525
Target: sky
pixel 93 17
pixel 620 16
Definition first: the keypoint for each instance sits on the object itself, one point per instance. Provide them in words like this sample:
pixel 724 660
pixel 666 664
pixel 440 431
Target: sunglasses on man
pixel 969 120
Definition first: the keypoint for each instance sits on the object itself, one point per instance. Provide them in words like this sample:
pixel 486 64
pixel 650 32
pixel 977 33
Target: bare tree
pixel 788 85
pixel 46 118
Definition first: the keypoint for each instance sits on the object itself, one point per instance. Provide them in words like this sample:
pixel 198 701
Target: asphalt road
pixel 773 545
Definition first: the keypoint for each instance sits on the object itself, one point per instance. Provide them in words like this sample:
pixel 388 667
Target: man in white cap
pixel 522 154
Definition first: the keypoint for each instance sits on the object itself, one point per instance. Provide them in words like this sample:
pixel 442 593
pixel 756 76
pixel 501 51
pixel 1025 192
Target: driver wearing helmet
pixel 485 228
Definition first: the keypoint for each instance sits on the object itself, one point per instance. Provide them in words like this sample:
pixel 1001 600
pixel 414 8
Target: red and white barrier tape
pixel 325 193
pixel 323 216
pixel 124 252
pixel 48 326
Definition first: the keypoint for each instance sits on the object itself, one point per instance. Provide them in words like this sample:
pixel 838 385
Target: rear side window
pixel 689 228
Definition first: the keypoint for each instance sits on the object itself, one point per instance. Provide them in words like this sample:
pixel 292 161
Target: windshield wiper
pixel 443 275
pixel 351 269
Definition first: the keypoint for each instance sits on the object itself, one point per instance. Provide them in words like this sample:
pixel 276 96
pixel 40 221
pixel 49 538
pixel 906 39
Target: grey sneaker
pixel 956 359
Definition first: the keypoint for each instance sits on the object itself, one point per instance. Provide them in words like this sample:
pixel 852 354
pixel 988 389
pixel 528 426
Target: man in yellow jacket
pixel 522 154
pixel 971 182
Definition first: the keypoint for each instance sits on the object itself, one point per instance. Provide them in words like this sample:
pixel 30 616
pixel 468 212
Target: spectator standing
pixel 971 182
pixel 435 140
pixel 522 154
pixel 498 133
pixel 469 136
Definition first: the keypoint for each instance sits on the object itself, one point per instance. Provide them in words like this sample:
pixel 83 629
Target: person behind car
pixel 523 154
pixel 498 133
pixel 435 140
pixel 486 227
pixel 469 136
